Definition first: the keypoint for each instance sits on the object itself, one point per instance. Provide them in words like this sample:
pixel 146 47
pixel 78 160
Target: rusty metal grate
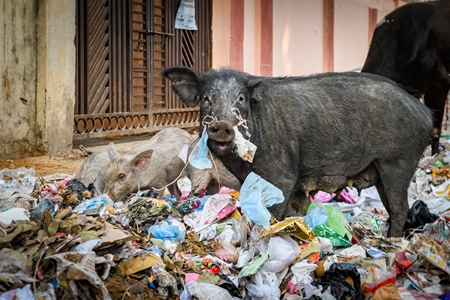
pixel 122 46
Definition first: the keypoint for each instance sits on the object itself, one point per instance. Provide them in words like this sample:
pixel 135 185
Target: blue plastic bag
pixel 167 233
pixel 335 226
pixel 316 217
pixel 255 195
pixel 199 156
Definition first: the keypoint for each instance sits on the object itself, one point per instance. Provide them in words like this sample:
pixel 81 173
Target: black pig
pixel 322 132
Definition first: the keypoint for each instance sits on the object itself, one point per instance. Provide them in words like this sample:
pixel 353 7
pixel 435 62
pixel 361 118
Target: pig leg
pixel 393 190
pixel 174 190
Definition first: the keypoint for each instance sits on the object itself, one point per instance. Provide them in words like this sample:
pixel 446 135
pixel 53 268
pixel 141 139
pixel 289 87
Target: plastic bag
pixel 44 204
pixel 199 156
pixel 335 227
pixel 167 233
pixel 256 194
pixel 229 285
pixel 283 251
pixel 381 278
pixel 265 286
pixel 93 206
pixel 302 273
pixel 322 197
pixel 335 277
pixel 207 291
pixel 388 291
pixel 419 215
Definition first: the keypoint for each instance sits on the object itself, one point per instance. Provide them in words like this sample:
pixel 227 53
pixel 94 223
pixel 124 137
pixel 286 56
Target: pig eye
pixel 241 97
pixel 121 177
pixel 206 100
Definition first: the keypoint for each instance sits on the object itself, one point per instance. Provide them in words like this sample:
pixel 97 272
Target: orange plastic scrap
pixel 294 226
pixel 440 174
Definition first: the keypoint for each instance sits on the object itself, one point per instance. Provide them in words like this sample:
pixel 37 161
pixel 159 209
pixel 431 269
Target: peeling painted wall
pixel 17 77
pixel 56 79
pixel 37 77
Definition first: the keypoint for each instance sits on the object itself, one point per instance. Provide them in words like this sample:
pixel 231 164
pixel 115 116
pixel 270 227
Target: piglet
pixel 93 170
pixel 155 164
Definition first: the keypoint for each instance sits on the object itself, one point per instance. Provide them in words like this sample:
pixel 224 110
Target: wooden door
pixel 122 46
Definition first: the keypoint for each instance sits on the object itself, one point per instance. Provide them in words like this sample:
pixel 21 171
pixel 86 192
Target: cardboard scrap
pixel 139 263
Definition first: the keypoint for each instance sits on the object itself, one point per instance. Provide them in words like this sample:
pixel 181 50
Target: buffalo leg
pixel 435 99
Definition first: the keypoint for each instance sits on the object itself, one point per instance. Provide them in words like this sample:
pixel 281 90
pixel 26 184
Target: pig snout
pixel 221 136
pixel 221 132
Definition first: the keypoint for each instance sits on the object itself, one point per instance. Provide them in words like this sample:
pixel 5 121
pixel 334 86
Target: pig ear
pixel 112 152
pixel 141 161
pixel 253 86
pixel 185 83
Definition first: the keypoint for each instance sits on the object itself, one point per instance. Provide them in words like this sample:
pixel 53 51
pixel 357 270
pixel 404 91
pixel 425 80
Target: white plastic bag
pixel 208 291
pixel 302 273
pixel 283 251
pixel 265 286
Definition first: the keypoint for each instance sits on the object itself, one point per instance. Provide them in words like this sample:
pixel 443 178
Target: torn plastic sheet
pixel 14 215
pixel 24 293
pixel 213 207
pixel 256 194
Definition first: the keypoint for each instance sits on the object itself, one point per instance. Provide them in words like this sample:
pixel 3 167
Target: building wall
pixel 351 35
pixel 18 77
pixel 298 34
pixel 37 65
pixel 56 74
pixel 309 36
pixel 221 33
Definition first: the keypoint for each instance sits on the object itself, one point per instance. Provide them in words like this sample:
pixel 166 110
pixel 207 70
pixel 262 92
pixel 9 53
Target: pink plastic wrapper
pixel 322 197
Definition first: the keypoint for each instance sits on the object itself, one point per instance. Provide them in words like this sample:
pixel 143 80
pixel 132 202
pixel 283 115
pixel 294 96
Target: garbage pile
pixel 61 240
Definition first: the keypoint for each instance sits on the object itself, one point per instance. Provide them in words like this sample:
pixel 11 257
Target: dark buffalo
pixel 411 46
pixel 322 132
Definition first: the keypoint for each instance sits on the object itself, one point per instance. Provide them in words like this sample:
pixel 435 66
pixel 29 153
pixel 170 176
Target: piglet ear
pixel 112 152
pixel 185 83
pixel 141 161
pixel 253 84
